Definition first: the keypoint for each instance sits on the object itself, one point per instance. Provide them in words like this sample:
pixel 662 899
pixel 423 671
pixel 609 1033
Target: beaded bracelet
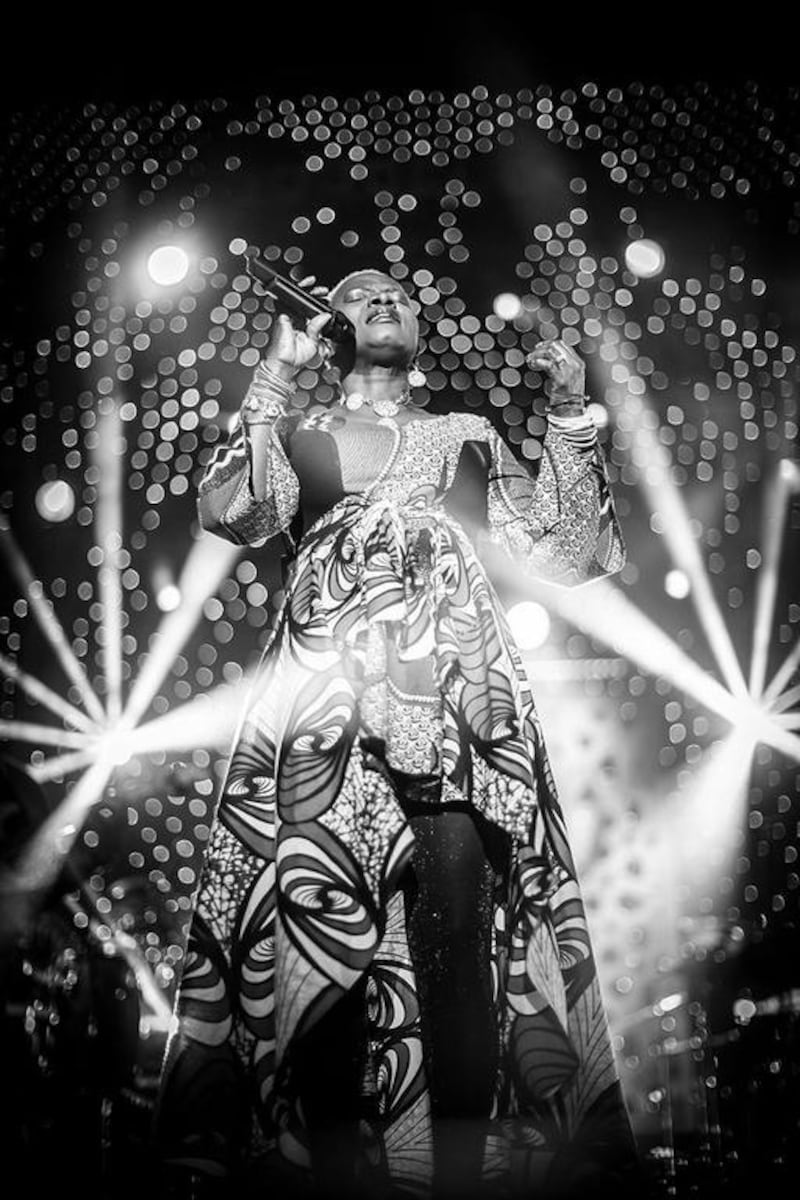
pixel 266 396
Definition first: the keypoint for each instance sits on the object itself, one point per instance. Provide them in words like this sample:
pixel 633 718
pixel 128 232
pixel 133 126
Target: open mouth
pixel 383 316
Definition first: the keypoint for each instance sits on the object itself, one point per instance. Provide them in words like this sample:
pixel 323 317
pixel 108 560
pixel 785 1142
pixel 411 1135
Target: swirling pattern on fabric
pixel 392 651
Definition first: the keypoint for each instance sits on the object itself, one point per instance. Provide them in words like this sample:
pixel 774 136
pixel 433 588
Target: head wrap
pixel 361 271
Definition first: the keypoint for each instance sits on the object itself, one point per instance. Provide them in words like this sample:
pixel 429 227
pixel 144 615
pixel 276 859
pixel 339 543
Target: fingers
pixel 318 289
pixel 553 355
pixel 551 350
pixel 317 324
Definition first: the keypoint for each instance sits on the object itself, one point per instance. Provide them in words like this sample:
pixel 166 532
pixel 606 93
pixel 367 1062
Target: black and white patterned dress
pixel 392 687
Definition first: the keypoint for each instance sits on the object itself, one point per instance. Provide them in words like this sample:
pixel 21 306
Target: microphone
pixel 297 301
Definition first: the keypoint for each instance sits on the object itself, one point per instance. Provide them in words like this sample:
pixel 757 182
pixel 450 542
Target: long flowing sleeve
pixel 561 524
pixel 249 491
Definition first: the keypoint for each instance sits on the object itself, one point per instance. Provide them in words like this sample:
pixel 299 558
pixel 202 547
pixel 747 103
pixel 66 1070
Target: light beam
pixel 45 853
pixel 783 674
pixel 206 564
pixel 45 695
pixel 654 463
pixel 41 735
pixel 767 582
pixel 611 618
pixel 109 458
pixel 48 622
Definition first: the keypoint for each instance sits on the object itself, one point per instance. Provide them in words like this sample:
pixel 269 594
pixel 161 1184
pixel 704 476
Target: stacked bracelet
pixel 266 397
pixel 266 376
pixel 563 401
pixel 579 429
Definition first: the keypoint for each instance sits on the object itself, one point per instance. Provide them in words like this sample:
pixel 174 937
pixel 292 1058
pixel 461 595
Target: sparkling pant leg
pixel 449 909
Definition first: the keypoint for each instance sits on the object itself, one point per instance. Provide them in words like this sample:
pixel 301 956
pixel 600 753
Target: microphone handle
pixel 299 302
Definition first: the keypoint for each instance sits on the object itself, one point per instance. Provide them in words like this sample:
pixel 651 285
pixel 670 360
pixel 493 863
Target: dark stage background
pixel 512 212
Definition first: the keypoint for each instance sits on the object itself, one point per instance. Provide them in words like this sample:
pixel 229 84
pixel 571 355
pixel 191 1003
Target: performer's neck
pixel 377 382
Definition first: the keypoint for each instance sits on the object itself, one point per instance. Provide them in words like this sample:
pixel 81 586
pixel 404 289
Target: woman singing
pixel 389 987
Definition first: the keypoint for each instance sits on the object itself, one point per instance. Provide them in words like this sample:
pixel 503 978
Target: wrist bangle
pixel 261 408
pixel 266 396
pixel 562 401
pixel 577 421
pixel 264 375
pixel 579 429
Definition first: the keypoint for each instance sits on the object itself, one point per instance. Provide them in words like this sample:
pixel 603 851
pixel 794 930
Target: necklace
pixel 384 408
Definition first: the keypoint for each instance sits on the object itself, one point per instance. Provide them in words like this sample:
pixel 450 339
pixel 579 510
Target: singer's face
pixel 385 324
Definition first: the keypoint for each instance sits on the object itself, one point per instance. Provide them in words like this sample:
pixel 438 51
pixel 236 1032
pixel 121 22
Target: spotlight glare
pixel 743 1011
pixel 168 265
pixel 598 414
pixel 117 748
pixel 676 584
pixel 168 598
pixel 790 473
pixel 530 624
pixel 507 306
pixel 55 501
pixel 644 258
pixel 668 1003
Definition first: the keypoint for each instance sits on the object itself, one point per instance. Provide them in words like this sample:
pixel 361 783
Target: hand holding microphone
pixel 292 348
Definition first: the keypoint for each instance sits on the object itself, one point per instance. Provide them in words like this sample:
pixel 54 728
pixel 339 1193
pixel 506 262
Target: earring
pixel 416 377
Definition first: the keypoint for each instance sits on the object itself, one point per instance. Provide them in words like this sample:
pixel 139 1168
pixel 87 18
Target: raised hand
pixel 291 348
pixel 565 369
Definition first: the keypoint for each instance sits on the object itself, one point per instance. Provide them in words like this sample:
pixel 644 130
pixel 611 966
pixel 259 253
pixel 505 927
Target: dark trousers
pixel 448 898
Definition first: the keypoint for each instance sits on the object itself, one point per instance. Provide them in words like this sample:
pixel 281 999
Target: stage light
pixel 676 584
pixel 598 414
pixel 168 265
pixel 55 501
pixel 507 306
pixel 669 1003
pixel 530 624
pixel 743 1011
pixel 644 258
pixel 790 473
pixel 605 613
pixel 117 748
pixel 168 597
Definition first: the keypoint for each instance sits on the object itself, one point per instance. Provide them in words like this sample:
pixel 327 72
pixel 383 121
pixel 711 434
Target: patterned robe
pixel 391 662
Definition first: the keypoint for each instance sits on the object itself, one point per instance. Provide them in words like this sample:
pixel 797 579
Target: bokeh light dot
pixel 168 265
